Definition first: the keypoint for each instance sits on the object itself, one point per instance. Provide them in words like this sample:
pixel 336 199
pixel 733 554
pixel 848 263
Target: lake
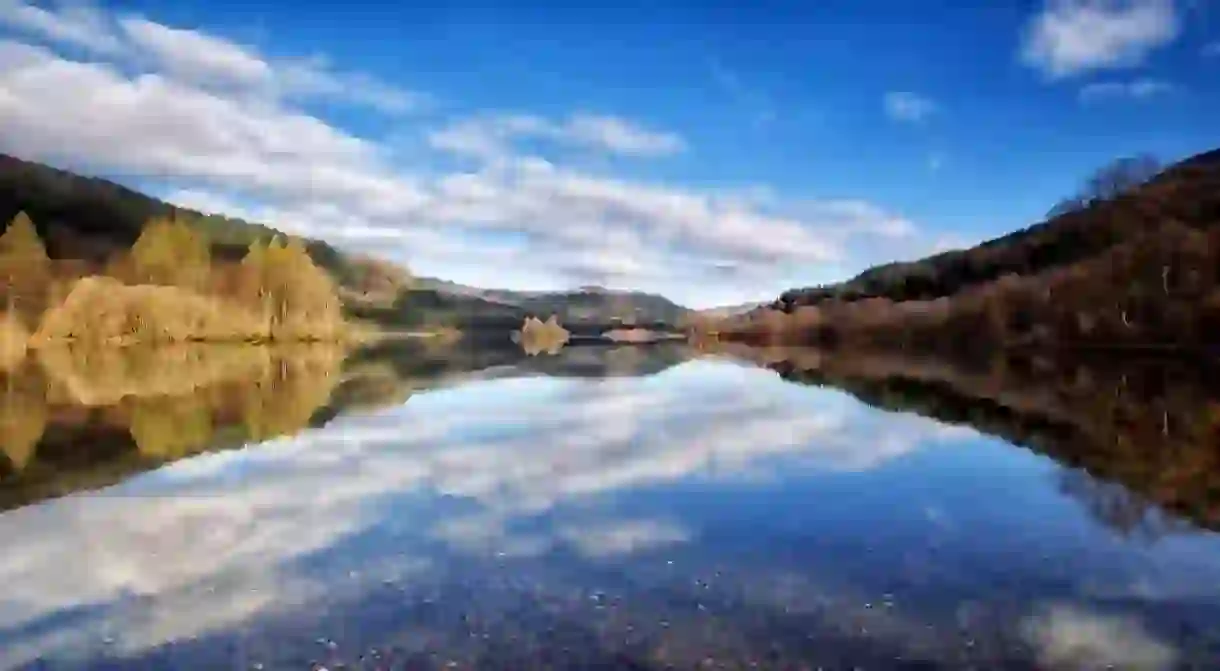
pixel 604 508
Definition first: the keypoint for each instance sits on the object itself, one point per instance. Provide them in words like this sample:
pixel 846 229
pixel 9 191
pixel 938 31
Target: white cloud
pixel 1070 37
pixel 908 107
pixel 620 136
pixel 1138 89
pixel 58 109
pixel 214 121
pixel 623 537
pixel 1067 636
pixel 1211 50
pixel 195 56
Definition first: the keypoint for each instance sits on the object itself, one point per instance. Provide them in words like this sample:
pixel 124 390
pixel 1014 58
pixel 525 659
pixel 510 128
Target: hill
pixel 1132 261
pixel 726 311
pixel 90 219
pixel 1119 202
pixel 584 304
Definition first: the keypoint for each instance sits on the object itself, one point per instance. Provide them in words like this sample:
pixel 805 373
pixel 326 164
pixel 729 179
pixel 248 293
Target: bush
pixel 101 310
pixel 536 336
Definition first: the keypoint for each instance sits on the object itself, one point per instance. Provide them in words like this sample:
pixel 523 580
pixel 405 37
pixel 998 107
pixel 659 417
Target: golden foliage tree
pixel 294 298
pixel 25 269
pixel 170 252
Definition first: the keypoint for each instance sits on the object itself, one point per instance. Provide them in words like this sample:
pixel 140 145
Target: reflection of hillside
pixel 1119 508
pixel 435 363
pixel 370 385
pixel 1151 425
pixel 610 361
pixel 85 419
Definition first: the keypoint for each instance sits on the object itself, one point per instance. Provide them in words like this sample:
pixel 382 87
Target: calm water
pixel 637 509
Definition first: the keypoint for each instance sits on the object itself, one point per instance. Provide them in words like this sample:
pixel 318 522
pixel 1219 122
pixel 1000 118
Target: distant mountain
pixel 584 304
pixel 726 311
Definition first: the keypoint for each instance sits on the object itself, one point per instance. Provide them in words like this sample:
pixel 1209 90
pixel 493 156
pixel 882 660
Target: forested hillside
pixel 90 219
pixel 1124 200
pixel 1133 261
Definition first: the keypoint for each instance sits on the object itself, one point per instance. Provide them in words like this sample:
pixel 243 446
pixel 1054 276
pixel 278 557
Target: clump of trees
pixel 292 298
pixel 1115 179
pixel 537 336
pixel 168 253
pixel 168 288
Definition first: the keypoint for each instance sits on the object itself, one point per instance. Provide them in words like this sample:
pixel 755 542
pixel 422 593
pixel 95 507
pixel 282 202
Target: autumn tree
pixel 25 269
pixel 1121 176
pixel 170 252
pixel 294 297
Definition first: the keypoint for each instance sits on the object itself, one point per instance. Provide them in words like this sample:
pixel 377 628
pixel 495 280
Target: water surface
pixel 629 508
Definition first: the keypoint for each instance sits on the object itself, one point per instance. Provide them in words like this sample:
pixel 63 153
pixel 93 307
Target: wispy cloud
pixel 1138 89
pixel 195 56
pixel 491 136
pixel 908 107
pixel 1071 37
pixel 1211 50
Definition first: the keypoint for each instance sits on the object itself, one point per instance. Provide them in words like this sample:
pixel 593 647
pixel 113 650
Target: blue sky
pixel 714 154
